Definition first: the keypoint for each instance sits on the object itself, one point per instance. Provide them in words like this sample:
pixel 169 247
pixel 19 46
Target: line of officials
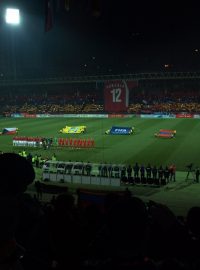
pixel 142 174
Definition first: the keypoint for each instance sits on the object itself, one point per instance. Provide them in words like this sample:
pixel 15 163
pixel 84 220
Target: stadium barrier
pixel 102 115
pixel 93 174
pixel 77 173
pixel 47 115
pixel 184 115
pixel 155 116
pixel 80 179
pixel 149 115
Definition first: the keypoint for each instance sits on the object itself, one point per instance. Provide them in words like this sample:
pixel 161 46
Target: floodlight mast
pixel 12 16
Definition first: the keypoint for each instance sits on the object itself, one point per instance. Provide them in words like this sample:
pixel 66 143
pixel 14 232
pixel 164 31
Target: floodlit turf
pixel 141 147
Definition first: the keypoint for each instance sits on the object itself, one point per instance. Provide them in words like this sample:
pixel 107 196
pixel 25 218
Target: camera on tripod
pixel 189 166
pixel 190 171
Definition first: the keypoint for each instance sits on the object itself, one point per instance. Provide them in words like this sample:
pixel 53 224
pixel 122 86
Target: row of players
pixel 76 143
pixel 48 142
pixel 31 141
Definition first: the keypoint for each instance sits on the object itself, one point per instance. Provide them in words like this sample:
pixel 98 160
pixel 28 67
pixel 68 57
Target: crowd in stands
pixel 174 107
pixel 141 100
pixel 119 231
pixel 73 101
pixel 174 101
pixel 52 109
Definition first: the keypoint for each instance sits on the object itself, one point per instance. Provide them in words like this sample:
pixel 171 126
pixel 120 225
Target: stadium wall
pixel 150 116
pixel 23 115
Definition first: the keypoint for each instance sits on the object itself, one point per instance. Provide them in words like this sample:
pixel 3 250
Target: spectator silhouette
pixel 193 221
pixel 64 229
pixel 16 174
pixel 39 192
pixel 122 236
pixel 127 221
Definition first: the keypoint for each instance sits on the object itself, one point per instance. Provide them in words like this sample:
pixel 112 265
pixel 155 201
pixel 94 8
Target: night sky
pixel 103 37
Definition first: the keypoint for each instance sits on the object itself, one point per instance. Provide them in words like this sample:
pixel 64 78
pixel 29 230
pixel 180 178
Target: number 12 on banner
pixel 116 95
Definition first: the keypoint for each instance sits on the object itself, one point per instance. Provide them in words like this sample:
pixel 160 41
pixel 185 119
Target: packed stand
pixel 86 101
pixel 166 100
pixel 145 98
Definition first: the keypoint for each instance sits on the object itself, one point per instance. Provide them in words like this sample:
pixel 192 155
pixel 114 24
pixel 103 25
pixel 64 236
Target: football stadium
pixel 109 134
pixel 99 135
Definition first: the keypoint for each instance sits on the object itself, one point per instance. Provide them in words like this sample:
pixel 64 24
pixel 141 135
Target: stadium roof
pixel 94 79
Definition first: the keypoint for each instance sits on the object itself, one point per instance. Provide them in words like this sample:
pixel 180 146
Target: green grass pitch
pixel 141 147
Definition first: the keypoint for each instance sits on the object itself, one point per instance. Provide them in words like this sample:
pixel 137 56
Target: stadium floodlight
pixel 12 16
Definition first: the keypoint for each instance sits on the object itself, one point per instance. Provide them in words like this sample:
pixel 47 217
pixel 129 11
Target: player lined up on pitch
pixel 76 143
pixel 46 143
pixel 39 142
